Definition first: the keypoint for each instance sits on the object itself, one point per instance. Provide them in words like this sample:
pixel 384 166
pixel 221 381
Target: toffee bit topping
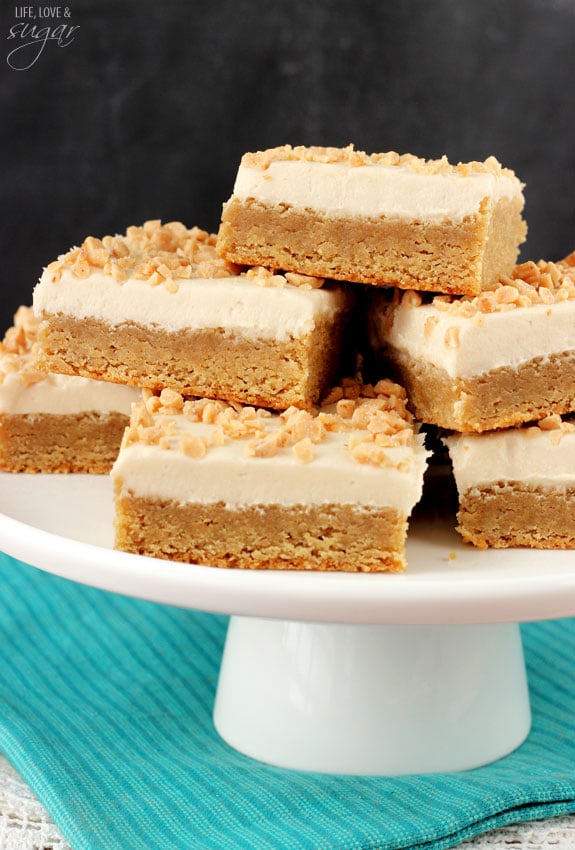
pixel 267 446
pixel 429 325
pixel 550 423
pixel 529 283
pixel 193 446
pixel 411 298
pixel 303 450
pixel 171 401
pixel 554 426
pixel 301 425
pixel 155 252
pixel 30 376
pixel 196 409
pixel 162 255
pixel 267 278
pixel 345 408
pixel 333 396
pixel 22 335
pixel 304 281
pixel 369 453
pixel 348 155
pixel 18 349
pixel 452 337
pixel 375 419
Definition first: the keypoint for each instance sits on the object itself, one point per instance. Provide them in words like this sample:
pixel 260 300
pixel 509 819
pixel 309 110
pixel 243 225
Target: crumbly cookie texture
pixel 499 359
pixel 86 442
pixel 515 485
pixel 356 158
pixel 162 254
pixel 237 486
pixel 54 423
pixel 157 307
pixel 506 516
pixel 383 219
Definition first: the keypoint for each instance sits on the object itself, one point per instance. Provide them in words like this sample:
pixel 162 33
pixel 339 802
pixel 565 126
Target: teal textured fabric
pixel 105 710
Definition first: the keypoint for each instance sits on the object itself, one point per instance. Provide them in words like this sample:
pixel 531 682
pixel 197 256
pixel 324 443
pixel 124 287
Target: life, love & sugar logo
pixel 34 28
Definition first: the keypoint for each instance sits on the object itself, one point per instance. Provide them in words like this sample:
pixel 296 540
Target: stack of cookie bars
pixel 255 443
pixel 497 370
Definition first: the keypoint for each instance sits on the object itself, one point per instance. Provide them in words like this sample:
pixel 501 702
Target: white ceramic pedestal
pixel 372 699
pixel 410 683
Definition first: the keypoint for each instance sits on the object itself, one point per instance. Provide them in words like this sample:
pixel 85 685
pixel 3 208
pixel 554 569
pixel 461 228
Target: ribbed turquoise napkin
pixel 105 710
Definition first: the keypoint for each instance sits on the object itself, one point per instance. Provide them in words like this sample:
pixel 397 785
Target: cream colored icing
pixel 373 189
pixel 225 474
pixel 233 303
pixel 485 341
pixel 64 395
pixel 528 455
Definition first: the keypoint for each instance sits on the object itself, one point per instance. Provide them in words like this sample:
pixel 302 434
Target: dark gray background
pixel 147 112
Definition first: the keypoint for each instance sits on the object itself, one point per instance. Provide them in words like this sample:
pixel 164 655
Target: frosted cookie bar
pixel 233 486
pixel 517 486
pixel 55 423
pixel 491 361
pixel 158 308
pixel 377 219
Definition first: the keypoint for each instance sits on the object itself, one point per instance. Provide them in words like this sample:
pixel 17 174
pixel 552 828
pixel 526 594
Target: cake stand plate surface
pixel 344 672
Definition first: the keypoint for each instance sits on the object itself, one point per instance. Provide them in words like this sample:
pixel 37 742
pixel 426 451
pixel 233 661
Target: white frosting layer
pixel 234 303
pixel 373 190
pixel 527 455
pixel 64 395
pixel 485 342
pixel 225 474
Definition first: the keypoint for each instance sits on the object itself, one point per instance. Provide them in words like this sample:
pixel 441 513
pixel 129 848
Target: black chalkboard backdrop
pixel 144 110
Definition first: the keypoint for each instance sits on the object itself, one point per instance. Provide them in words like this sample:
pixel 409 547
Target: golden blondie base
pixel 497 399
pixel 506 515
pixel 452 257
pixel 208 363
pixel 84 442
pixel 271 537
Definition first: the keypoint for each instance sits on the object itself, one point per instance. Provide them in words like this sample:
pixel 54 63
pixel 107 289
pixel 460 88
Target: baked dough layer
pixel 459 257
pixel 496 399
pixel 44 442
pixel 213 363
pixel 272 537
pixel 510 514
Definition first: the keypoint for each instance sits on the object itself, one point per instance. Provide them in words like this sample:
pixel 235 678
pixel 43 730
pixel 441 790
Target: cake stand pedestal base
pixel 372 699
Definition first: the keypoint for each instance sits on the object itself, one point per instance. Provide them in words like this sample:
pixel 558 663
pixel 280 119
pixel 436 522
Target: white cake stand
pixel 339 673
